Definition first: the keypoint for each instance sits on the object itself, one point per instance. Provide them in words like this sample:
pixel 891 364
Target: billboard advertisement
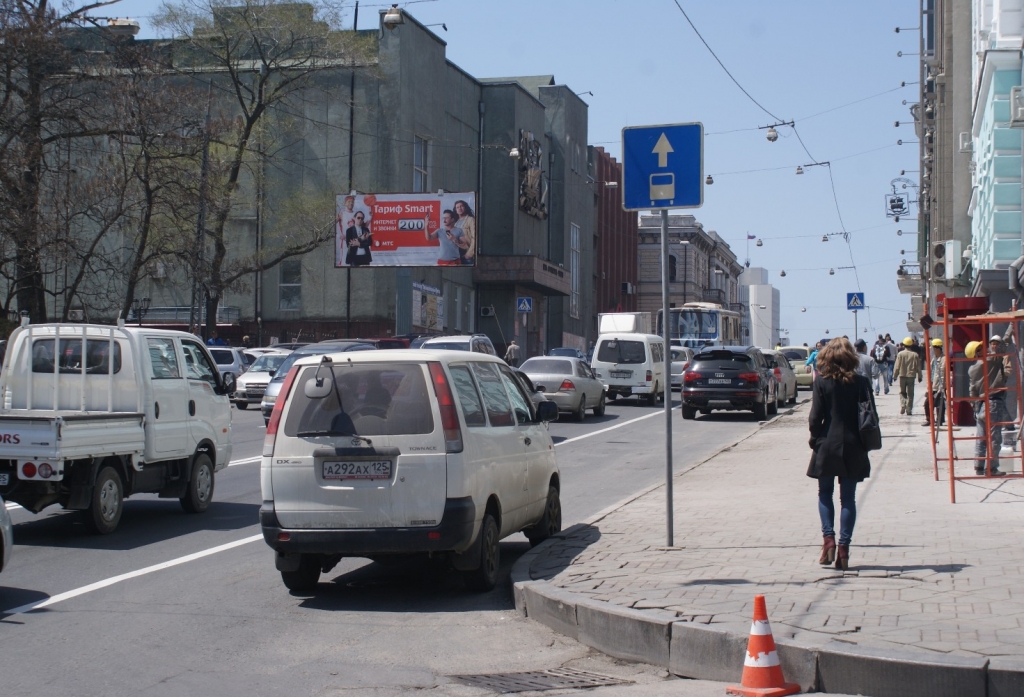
pixel 406 230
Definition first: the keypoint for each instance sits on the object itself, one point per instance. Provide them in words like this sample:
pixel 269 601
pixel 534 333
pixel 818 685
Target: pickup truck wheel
pixel 551 523
pixel 485 577
pixel 200 486
pixel 305 578
pixel 107 501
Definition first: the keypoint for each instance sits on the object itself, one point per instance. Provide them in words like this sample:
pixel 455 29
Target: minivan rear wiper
pixel 310 434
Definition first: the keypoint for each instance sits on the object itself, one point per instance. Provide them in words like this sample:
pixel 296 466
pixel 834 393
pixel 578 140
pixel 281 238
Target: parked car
pixel 567 351
pixel 250 386
pixel 631 364
pixel 390 453
pixel 797 356
pixel 568 382
pixel 230 360
pixel 729 378
pixel 6 536
pixel 681 357
pixel 480 343
pixel 274 386
pixel 784 375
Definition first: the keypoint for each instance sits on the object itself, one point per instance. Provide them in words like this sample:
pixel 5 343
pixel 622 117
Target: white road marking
pixel 612 428
pixel 61 597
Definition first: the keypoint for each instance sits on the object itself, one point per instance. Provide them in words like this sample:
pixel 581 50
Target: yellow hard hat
pixel 908 341
pixel 971 348
pixel 937 343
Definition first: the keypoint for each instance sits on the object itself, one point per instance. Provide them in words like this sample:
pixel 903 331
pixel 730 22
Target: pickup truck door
pixel 167 415
pixel 209 412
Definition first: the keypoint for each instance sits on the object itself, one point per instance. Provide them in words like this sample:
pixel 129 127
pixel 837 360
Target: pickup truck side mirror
pixel 228 384
pixel 547 411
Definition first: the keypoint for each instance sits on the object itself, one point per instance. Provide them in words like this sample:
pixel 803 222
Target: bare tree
pixel 260 55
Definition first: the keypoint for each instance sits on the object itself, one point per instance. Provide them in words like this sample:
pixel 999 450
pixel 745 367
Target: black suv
pixel 730 378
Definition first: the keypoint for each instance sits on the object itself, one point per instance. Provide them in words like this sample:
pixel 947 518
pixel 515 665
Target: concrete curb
pixel 716 651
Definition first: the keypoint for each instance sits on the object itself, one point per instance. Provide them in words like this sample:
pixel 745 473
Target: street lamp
pixel 709 180
pixel 686 264
pixel 393 17
pixel 140 308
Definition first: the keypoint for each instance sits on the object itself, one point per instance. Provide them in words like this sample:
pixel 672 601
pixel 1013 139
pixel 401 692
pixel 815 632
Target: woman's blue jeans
pixel 827 509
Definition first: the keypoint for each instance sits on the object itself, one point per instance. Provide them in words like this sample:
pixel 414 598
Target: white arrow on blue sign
pixel 854 301
pixel 663 166
pixel 524 304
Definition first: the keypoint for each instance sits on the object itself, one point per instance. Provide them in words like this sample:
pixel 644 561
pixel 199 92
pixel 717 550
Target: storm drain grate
pixel 537 680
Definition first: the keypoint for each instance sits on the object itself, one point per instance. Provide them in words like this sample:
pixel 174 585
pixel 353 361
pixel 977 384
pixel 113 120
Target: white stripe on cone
pixel 760 628
pixel 762 660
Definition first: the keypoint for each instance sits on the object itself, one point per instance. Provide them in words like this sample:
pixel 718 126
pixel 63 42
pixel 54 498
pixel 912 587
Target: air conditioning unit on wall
pixel 486 311
pixel 76 315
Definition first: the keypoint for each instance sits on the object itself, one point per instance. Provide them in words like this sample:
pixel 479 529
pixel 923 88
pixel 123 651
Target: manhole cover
pixel 554 679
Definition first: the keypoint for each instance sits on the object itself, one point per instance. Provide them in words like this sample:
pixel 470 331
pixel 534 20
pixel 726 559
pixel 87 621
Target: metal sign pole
pixel 667 399
pixel 855 335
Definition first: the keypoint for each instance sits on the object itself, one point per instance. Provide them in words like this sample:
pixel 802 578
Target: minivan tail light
pixel 749 377
pixel 649 376
pixel 567 385
pixel 446 401
pixel 275 416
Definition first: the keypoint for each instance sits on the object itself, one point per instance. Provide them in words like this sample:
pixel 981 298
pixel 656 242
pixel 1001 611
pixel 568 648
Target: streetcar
pixel 699 324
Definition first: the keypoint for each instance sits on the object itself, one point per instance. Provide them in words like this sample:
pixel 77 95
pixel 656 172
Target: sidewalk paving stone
pixel 926 575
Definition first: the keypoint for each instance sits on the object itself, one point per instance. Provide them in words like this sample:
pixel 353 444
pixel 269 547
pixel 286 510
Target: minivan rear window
pixel 223 356
pixel 377 399
pixel 619 351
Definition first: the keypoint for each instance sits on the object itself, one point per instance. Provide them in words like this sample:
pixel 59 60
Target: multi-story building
pixel 762 303
pixel 702 266
pixel 615 272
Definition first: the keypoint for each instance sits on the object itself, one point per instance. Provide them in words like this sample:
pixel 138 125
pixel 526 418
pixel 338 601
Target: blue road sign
pixel 663 166
pixel 524 304
pixel 854 301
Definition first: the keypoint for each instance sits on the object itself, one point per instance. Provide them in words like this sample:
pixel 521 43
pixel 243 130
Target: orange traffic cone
pixel 762 673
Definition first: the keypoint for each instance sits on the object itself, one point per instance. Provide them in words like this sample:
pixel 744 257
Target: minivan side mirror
pixel 547 411
pixel 317 388
pixel 228 384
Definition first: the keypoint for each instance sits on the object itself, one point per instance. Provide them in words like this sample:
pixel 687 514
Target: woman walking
pixel 835 440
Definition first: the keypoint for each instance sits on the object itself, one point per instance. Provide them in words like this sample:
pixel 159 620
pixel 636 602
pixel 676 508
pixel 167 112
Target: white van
pixel 384 453
pixel 631 364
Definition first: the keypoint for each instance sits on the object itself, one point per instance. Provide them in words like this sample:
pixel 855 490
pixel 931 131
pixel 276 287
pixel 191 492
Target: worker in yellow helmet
pixel 938 386
pixel 994 367
pixel 906 368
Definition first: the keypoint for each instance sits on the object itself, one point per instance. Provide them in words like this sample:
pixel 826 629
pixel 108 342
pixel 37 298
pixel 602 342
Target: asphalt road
pixel 177 604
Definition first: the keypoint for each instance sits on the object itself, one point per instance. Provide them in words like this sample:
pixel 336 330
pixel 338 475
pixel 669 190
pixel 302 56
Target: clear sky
pixel 798 58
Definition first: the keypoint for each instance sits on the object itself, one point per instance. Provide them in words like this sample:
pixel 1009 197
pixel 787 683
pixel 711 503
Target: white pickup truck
pixel 84 431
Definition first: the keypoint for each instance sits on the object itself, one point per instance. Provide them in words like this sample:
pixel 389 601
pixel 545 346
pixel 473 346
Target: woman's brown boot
pixel 828 550
pixel 843 557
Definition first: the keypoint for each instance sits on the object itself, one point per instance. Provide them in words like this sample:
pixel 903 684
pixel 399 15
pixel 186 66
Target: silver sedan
pixel 6 536
pixel 568 382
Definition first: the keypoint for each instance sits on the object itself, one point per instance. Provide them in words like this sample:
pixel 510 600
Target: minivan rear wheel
pixel 485 577
pixel 305 578
pixel 551 523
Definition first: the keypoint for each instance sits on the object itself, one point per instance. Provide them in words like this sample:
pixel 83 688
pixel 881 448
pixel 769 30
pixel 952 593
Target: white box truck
pixel 92 414
pixel 624 323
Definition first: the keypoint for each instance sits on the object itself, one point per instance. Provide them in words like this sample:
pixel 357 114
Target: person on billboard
pixel 450 237
pixel 357 241
pixel 467 223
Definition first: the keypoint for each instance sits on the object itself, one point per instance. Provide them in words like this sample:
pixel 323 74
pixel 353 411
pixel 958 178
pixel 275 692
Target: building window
pixel 574 268
pixel 289 288
pixel 420 155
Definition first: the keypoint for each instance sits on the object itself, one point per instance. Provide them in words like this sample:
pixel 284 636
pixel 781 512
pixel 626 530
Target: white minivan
pixel 395 452
pixel 631 364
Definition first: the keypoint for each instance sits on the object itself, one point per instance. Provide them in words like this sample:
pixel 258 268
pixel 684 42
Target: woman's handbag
pixel 867 422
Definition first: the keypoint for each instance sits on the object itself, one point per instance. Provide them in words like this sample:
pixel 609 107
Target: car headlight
pixel 269 399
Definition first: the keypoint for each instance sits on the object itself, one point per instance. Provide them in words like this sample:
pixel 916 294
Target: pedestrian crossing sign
pixel 854 301
pixel 524 304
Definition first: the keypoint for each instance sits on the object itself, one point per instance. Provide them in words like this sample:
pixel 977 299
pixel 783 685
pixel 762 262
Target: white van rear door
pixel 376 461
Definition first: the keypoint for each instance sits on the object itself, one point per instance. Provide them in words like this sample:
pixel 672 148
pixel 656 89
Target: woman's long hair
pixel 838 360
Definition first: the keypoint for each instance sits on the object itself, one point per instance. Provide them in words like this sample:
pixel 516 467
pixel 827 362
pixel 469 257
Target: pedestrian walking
pixel 867 363
pixel 812 360
pixel 938 386
pixel 513 354
pixel 906 369
pixel 890 362
pixel 989 415
pixel 838 450
pixel 881 355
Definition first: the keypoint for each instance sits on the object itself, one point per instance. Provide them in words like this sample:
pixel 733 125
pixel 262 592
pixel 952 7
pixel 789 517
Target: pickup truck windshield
pixel 70 358
pixel 377 399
